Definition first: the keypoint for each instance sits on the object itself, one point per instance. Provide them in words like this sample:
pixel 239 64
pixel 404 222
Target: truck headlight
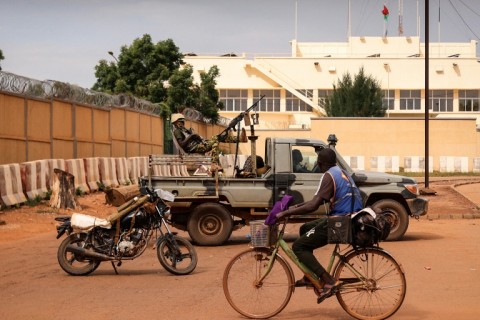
pixel 413 188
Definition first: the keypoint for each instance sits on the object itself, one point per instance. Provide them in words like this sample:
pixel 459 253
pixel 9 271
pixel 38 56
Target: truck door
pixel 303 181
pixel 282 170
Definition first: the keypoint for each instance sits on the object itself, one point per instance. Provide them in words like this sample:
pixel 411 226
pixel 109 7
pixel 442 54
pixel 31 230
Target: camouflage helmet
pixel 177 117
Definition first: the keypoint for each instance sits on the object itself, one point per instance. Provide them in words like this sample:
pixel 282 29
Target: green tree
pixel 360 97
pixel 157 73
pixel 1 58
pixel 208 96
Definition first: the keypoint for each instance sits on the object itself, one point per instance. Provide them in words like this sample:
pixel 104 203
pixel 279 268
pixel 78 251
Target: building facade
pixel 295 87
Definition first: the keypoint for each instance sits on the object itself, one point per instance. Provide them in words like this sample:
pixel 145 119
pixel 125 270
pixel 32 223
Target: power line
pixel 453 6
pixel 468 7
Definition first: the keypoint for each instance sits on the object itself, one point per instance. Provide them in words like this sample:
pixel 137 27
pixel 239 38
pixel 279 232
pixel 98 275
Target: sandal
pixel 328 291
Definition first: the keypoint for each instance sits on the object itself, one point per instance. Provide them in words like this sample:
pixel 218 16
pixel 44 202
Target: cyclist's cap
pixel 327 157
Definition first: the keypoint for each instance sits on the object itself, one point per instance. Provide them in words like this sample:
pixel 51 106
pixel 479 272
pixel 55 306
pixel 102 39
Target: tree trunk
pixel 120 195
pixel 63 190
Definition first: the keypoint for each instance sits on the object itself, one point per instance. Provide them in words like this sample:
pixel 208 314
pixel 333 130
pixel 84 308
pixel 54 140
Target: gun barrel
pixel 239 118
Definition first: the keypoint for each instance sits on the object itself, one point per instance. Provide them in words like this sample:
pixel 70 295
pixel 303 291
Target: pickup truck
pixel 210 208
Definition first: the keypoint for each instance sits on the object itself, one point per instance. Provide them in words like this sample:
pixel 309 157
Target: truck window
pixel 303 159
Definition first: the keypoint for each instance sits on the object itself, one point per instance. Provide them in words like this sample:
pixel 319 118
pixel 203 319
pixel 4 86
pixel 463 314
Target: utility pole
pixel 427 89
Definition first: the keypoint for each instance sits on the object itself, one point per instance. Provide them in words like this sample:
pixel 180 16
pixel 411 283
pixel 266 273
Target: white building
pixel 295 86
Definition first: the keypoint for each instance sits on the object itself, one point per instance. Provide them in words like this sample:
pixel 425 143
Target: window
pixel 295 104
pixel 271 101
pixel 388 99
pixel 410 100
pixel 234 100
pixel 468 100
pixel 322 96
pixel 441 100
pixel 304 159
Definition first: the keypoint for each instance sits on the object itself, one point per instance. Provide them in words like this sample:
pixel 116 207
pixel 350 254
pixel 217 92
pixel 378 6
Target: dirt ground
pixel 442 270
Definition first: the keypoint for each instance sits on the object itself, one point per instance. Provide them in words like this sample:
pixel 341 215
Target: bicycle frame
pixel 307 272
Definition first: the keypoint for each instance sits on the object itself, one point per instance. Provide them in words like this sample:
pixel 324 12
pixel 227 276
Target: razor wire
pixel 51 89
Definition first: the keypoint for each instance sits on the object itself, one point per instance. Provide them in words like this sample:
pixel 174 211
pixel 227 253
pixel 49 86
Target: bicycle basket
pixel 262 236
pixel 339 229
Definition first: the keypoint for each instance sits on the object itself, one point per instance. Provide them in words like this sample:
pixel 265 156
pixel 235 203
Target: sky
pixel 64 40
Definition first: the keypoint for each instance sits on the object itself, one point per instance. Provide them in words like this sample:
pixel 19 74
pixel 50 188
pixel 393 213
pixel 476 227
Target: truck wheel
pixel 210 224
pixel 398 217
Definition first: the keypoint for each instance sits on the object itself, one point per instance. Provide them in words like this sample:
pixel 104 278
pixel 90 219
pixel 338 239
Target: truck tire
pixel 398 217
pixel 210 224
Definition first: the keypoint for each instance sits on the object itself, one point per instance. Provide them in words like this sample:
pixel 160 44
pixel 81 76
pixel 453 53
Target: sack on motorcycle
pixel 339 229
pixel 85 222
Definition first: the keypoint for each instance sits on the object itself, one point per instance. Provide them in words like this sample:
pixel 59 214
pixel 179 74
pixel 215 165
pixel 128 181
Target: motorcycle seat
pixel 86 222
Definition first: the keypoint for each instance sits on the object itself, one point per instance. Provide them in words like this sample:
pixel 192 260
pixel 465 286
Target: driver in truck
pixel 335 188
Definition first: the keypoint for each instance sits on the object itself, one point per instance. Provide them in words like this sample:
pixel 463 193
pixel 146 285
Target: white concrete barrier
pixel 417 164
pixel 92 173
pixel 385 164
pixel 355 162
pixel 108 172
pixel 453 164
pixel 11 185
pixel 137 167
pixel 122 171
pixel 77 168
pixel 34 178
pixel 54 164
pixel 476 165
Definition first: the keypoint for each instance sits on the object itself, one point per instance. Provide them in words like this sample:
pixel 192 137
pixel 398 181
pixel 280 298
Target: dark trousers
pixel 313 235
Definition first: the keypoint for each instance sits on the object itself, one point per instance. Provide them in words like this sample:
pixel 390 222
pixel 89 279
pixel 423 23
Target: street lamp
pixel 111 53
pixel 387 69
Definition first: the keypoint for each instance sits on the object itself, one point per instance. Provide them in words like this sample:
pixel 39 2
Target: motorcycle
pixel 124 236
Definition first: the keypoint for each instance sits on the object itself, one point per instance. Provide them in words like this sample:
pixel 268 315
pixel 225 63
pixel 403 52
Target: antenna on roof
pixel 400 18
pixel 349 22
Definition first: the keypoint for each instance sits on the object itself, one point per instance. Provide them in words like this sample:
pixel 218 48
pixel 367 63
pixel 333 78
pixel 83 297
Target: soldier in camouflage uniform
pixel 193 143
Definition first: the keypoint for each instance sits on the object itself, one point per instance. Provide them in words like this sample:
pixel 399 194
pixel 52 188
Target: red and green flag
pixel 385 12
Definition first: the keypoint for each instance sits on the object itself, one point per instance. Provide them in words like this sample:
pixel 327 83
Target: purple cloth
pixel 279 206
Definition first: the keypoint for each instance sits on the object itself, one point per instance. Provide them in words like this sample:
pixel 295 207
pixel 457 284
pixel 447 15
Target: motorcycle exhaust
pixel 88 253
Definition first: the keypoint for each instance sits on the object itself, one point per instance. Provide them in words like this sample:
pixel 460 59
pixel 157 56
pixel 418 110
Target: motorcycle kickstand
pixel 114 267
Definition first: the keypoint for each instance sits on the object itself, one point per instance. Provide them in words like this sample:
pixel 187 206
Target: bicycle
pixel 259 282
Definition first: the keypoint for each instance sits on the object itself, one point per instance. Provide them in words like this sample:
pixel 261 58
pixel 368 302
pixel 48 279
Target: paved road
pixel 440 257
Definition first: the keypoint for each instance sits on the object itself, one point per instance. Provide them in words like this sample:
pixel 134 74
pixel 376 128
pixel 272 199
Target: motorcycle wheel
pixel 74 264
pixel 179 262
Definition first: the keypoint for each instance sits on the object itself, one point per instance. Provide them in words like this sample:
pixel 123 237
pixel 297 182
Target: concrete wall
pixel 34 129
pixel 454 144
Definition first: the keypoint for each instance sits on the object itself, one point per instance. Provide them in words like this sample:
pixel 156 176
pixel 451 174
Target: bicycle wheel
pixel 253 299
pixel 379 288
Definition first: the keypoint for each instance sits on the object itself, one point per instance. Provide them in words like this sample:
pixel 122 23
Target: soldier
pixel 193 143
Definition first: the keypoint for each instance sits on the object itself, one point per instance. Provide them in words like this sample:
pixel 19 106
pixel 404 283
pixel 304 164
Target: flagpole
pixel 349 22
pixel 296 20
pixel 439 39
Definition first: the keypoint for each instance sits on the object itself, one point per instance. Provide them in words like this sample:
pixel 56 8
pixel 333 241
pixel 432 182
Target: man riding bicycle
pixel 338 189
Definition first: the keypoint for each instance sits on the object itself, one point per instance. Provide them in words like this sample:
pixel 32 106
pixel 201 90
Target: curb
pixel 447 216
